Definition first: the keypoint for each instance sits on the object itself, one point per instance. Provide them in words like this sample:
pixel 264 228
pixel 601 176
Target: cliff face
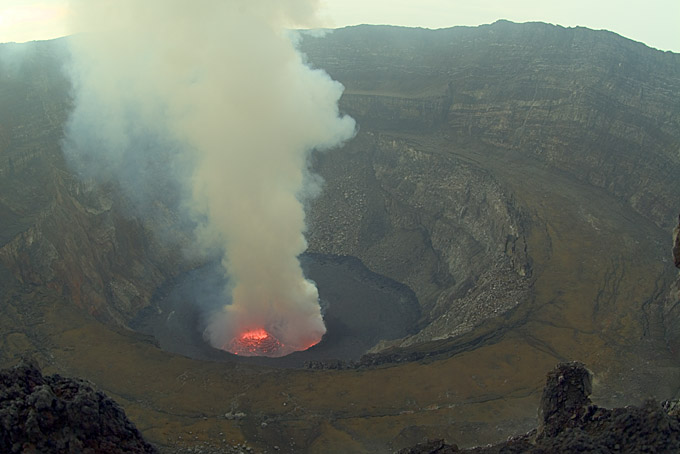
pixel 83 247
pixel 77 238
pixel 676 245
pixel 672 302
pixel 592 104
pixel 444 227
pixel 457 124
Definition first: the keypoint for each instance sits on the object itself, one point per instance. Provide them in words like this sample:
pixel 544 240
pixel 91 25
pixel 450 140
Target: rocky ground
pixel 676 245
pixel 570 423
pixel 52 414
pixel 60 415
pixel 208 448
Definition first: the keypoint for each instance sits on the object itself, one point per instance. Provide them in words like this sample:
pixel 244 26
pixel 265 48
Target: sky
pixel 653 22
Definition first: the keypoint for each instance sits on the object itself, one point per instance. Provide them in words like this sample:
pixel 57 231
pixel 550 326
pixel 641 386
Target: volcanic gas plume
pixel 215 94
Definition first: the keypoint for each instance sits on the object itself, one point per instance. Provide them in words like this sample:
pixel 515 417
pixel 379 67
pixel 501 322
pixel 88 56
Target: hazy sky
pixel 654 22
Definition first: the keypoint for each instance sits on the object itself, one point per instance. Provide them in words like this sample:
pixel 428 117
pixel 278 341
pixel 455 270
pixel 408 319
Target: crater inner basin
pixel 360 308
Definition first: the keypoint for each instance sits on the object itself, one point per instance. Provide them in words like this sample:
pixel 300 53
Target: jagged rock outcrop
pixel 59 415
pixel 565 399
pixel 568 423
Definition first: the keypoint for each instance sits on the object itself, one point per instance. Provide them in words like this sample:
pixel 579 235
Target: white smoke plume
pixel 215 93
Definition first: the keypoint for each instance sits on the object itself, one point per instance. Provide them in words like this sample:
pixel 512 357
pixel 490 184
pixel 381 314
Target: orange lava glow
pixel 310 346
pixel 255 335
pixel 260 342
pixel 256 342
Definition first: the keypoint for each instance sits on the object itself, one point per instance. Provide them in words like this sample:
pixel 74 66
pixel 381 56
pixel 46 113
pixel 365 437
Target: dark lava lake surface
pixel 360 308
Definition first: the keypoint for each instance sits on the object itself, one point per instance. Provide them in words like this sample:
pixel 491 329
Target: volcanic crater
pixel 360 308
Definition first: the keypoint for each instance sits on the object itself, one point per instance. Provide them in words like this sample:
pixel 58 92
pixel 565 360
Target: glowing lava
pixel 260 342
pixel 256 342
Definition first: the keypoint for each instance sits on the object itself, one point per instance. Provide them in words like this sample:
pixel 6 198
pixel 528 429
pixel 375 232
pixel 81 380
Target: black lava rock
pixel 61 415
pixel 565 398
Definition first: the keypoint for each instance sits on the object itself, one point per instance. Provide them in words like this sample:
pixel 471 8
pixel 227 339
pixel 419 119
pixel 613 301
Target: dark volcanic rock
pixel 565 398
pixel 676 244
pixel 61 415
pixel 431 447
pixel 672 302
pixel 568 423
